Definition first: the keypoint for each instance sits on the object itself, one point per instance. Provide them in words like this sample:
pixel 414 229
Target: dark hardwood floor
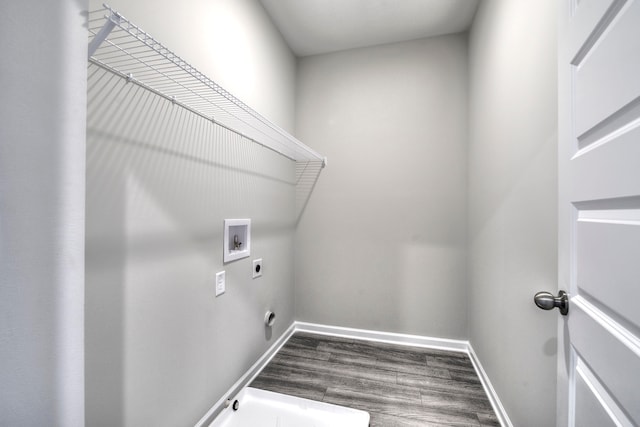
pixel 398 385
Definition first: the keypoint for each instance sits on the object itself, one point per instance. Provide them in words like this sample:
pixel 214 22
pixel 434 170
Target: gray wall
pixel 42 134
pixel 160 347
pixel 381 243
pixel 512 202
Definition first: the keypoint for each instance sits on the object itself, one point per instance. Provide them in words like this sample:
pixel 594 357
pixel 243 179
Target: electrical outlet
pixel 220 283
pixel 257 267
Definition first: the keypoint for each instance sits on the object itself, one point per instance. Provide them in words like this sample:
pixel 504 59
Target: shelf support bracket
pixel 109 25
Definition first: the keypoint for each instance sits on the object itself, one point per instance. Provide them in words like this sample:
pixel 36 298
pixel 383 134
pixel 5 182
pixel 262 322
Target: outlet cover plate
pixel 257 267
pixel 220 283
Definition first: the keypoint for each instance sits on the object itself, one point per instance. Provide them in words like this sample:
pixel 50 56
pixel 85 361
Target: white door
pixel 599 223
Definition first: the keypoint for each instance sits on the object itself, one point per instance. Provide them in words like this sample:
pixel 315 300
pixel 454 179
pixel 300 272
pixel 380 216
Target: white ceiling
pixel 312 27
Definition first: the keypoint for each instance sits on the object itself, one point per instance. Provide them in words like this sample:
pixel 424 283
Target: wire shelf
pixel 120 46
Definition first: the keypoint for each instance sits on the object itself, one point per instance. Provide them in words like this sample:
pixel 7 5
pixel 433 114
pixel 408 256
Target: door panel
pixel 599 208
pixel 585 18
pixel 590 411
pixel 605 79
pixel 607 168
pixel 608 263
pixel 599 344
pixel 594 405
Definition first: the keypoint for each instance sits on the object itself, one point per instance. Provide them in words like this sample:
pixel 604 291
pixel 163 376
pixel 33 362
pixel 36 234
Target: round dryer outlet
pixel 257 267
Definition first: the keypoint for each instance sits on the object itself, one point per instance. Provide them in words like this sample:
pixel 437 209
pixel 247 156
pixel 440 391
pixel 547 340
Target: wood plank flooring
pixel 399 386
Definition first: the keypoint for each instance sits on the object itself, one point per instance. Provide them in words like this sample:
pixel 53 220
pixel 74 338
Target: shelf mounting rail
pixel 118 45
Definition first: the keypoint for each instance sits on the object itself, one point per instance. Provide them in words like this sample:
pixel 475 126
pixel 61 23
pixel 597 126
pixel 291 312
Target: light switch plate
pixel 220 283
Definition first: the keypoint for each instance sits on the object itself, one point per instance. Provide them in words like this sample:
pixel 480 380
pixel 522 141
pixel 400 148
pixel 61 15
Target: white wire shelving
pixel 120 46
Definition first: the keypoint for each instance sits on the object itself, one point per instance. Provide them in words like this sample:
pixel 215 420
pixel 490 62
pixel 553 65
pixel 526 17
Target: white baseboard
pixel 386 337
pixel 367 335
pixel 246 378
pixel 488 388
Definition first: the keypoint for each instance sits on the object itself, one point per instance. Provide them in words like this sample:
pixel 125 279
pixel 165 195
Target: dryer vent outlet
pixel 269 318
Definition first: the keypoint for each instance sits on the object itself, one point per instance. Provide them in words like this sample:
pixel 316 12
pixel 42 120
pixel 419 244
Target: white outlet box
pixel 257 267
pixel 237 239
pixel 220 283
